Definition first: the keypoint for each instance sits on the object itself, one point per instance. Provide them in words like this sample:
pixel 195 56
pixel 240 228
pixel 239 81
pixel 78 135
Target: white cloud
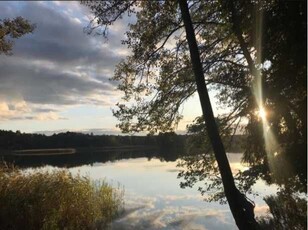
pixel 50 116
pixel 5 112
pixel 13 110
pixel 21 110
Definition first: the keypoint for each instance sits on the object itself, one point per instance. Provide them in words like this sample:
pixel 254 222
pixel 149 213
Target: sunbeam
pixel 271 144
pixel 262 113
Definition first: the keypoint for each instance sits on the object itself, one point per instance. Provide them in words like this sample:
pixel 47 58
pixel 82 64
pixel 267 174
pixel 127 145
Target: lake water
pixel 154 199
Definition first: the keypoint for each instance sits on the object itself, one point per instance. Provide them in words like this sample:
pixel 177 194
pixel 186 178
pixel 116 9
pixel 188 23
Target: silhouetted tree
pixel 241 208
pixel 156 22
pixel 288 212
pixel 237 52
pixel 12 29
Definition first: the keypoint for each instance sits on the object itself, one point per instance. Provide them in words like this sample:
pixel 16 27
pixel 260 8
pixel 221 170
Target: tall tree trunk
pixel 242 210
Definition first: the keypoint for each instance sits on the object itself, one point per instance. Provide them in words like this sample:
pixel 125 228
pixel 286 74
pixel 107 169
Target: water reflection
pixel 153 197
pixel 154 200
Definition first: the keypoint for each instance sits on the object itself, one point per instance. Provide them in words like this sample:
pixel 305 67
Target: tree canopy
pixel 253 53
pixel 236 42
pixel 12 29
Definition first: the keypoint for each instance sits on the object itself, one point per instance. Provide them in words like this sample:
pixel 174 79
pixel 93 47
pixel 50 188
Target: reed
pixel 55 200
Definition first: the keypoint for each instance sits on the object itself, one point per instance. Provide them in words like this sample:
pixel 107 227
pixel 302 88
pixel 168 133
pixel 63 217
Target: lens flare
pixel 271 144
pixel 262 113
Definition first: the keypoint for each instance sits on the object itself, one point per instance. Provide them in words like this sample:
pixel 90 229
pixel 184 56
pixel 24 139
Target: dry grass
pixel 55 200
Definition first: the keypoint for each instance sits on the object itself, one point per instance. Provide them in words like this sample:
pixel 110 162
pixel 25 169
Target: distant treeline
pixel 10 140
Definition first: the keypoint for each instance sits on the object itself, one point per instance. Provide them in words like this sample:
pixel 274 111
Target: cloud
pixel 170 217
pixel 58 65
pixel 13 110
pixel 37 84
pixel 5 111
pixel 48 116
pixel 59 37
pixel 44 110
pixel 20 110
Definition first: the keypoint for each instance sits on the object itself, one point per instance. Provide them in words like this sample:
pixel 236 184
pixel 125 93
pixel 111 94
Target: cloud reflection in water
pixel 154 199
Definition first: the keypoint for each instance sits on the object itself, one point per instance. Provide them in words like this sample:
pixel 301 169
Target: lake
pixel 154 199
pixel 152 194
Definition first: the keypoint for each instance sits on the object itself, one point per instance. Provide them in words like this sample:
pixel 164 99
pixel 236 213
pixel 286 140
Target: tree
pixel 283 46
pixel 288 211
pixel 241 208
pixel 284 93
pixel 158 77
pixel 239 205
pixel 283 82
pixel 13 28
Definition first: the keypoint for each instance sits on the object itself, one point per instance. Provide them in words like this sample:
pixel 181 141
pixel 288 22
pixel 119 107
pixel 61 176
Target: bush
pixel 55 200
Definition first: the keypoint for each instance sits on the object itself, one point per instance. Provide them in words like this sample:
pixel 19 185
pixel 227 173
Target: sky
pixel 57 79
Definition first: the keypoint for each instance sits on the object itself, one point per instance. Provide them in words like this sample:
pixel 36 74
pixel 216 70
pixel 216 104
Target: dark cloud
pixel 60 38
pixel 41 85
pixel 58 64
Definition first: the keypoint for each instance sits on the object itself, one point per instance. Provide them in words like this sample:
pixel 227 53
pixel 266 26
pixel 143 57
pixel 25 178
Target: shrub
pixel 55 200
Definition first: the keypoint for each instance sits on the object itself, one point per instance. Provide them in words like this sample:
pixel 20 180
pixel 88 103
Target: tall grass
pixel 55 200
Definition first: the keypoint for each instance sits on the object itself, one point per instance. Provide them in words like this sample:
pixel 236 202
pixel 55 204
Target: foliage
pixel 253 53
pixel 10 140
pixel 235 52
pixel 55 200
pixel 288 212
pixel 199 164
pixel 13 28
pixel 157 78
pixel 285 96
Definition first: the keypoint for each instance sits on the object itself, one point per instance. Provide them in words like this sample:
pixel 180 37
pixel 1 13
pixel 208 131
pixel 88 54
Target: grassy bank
pixel 55 200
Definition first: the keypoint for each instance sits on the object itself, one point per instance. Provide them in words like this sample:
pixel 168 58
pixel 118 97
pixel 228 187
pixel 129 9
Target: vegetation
pixel 163 142
pixel 12 29
pixel 10 140
pixel 288 211
pixel 241 208
pixel 55 200
pixel 234 62
pixel 252 52
pixel 200 158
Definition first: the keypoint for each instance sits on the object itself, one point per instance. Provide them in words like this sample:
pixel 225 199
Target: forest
pixel 10 140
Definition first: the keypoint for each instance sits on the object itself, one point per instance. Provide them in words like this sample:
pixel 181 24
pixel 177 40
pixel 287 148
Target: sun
pixel 262 113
